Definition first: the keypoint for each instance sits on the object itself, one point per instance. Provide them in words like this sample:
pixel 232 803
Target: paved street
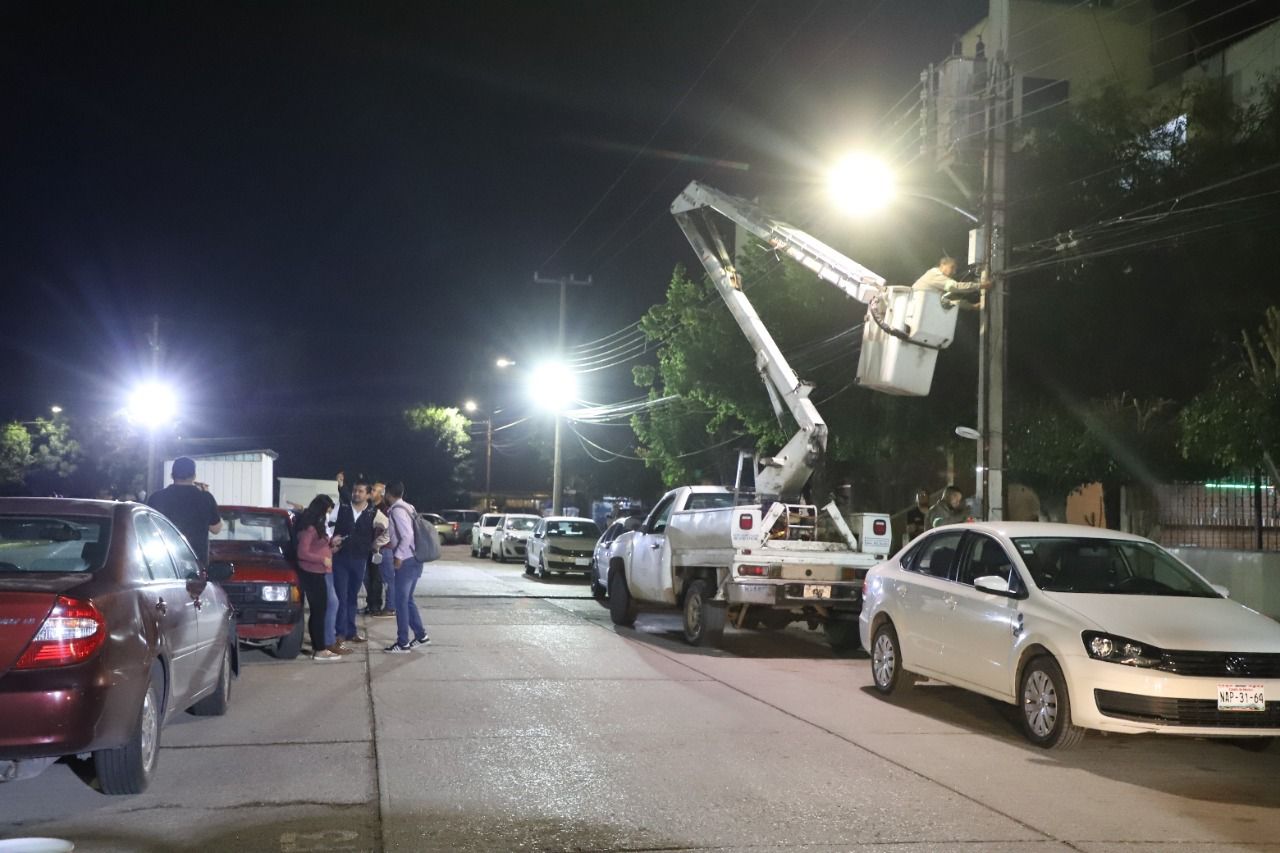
pixel 531 723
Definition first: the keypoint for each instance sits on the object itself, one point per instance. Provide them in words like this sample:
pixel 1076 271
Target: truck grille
pixel 1183 712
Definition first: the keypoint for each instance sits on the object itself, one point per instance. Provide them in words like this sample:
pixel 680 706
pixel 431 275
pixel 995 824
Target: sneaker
pixel 339 649
pixel 424 640
pixel 325 654
pixel 356 639
pixel 384 614
pixel 396 649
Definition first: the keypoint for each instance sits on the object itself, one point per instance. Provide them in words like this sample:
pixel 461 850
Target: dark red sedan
pixel 108 627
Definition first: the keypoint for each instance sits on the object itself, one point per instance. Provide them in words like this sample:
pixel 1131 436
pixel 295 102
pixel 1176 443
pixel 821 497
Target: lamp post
pixel 152 405
pixel 861 184
pixel 553 387
pixel 471 408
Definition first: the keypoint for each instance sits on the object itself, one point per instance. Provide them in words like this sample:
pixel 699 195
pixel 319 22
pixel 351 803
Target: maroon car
pixel 251 558
pixel 108 627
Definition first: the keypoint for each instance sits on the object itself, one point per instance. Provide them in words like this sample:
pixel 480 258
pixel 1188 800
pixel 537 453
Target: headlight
pixel 1113 649
pixel 275 593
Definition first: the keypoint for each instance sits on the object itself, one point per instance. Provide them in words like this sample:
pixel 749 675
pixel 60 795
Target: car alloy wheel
pixel 1046 706
pixel 886 660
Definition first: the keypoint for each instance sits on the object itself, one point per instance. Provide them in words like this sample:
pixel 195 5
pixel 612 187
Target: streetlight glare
pixel 553 386
pixel 56 409
pixel 861 184
pixel 152 405
pixel 505 362
pixel 470 406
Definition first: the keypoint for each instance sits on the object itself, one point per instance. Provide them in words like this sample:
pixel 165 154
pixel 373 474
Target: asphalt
pixel 531 723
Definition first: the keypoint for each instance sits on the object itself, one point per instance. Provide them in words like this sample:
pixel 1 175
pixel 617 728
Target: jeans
pixel 330 612
pixel 348 575
pixel 317 592
pixel 407 616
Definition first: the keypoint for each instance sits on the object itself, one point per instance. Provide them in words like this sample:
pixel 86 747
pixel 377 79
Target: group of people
pixel 949 509
pixel 366 539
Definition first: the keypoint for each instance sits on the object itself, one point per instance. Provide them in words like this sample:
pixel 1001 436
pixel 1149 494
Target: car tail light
pixel 754 571
pixel 746 521
pixel 71 632
pixel 878 527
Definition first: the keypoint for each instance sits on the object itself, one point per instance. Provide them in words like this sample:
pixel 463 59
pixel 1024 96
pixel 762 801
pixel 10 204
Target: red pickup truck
pixel 252 559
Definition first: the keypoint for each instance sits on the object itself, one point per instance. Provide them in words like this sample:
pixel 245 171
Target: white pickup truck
pixel 718 558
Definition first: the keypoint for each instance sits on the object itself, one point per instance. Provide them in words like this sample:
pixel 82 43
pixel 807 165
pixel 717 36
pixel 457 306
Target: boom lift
pixel 901 338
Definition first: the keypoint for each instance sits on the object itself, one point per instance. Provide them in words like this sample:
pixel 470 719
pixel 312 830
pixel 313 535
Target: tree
pixel 15 456
pixel 436 454
pixel 1235 423
pixel 113 458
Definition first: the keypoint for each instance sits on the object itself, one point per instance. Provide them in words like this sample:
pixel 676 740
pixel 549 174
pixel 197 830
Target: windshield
pixel 53 543
pixel 268 529
pixel 575 529
pixel 1108 567
pixel 710 500
pixel 521 523
pixel 490 521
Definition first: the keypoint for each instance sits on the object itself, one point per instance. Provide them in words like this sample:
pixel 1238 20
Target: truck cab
pixel 252 559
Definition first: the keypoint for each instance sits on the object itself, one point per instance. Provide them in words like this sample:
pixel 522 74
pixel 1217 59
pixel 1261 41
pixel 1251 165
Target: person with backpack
pixel 407 566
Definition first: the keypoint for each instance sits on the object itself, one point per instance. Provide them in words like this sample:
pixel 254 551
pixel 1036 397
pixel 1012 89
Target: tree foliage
pixel 435 456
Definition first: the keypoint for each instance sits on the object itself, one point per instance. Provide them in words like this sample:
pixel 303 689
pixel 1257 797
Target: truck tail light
pixel 879 527
pixel 753 571
pixel 71 632
pixel 746 521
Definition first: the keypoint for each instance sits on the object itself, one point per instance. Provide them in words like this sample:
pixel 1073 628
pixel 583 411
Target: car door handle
pixel 161 607
pixel 198 602
pixel 655 546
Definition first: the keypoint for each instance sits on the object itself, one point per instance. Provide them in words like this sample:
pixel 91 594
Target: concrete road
pixel 531 723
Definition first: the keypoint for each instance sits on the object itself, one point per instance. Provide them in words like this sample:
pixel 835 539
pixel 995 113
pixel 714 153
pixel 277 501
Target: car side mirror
pixel 1221 590
pixel 221 571
pixel 995 585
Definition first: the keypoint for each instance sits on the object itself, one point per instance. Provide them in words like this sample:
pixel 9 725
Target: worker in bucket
pixel 941 279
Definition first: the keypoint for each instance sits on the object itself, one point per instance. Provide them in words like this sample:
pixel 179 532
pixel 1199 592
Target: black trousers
pixel 373 587
pixel 317 593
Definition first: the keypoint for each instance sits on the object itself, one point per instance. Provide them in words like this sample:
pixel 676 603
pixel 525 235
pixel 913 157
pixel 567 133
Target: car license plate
pixel 1241 697
pixel 813 590
pixel 582 561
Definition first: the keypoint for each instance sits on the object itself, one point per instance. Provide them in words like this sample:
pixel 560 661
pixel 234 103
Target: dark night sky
pixel 338 208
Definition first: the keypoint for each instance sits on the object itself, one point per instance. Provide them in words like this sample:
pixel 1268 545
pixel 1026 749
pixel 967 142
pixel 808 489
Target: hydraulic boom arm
pixel 787 472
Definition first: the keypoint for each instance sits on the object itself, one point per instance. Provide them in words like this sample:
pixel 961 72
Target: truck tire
pixel 290 645
pixel 703 618
pixel 622 609
pixel 842 636
pixel 128 769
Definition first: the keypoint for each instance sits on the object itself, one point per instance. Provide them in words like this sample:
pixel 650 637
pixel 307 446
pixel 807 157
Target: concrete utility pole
pixel 488 461
pixel 992 330
pixel 153 341
pixel 564 282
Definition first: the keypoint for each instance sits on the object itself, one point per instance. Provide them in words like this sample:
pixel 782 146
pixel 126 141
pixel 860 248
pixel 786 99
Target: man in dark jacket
pixel 354 523
pixel 189 506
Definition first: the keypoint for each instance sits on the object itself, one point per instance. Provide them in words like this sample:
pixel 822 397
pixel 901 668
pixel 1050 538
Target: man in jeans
pixel 407 572
pixel 354 522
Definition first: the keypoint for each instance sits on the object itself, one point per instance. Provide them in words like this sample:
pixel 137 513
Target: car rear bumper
pixel 1117 698
pixel 63 711
pixel 841 597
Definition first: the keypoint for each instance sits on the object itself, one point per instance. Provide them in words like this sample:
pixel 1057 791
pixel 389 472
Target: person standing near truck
pixel 190 506
pixel 315 573
pixel 354 523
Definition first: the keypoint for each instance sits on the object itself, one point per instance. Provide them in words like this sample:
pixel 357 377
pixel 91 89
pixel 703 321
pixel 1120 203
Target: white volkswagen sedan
pixel 1080 627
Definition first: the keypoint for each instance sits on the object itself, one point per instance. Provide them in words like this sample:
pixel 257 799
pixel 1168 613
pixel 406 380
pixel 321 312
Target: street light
pixel 152 405
pixel 471 407
pixel 505 362
pixel 861 184
pixel 56 409
pixel 553 386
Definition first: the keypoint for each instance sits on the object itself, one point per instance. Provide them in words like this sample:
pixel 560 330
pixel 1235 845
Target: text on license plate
pixel 814 590
pixel 582 561
pixel 1241 697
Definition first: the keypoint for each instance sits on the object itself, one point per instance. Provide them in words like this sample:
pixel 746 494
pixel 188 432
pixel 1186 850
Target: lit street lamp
pixel 471 407
pixel 152 405
pixel 56 409
pixel 553 386
pixel 505 362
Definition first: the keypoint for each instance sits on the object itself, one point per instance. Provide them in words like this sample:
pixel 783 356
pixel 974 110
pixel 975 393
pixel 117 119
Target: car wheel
pixel 599 593
pixel 290 645
pixel 528 567
pixel 703 618
pixel 216 703
pixel 842 635
pixel 542 569
pixel 886 660
pixel 474 552
pixel 622 608
pixel 1046 707
pixel 128 769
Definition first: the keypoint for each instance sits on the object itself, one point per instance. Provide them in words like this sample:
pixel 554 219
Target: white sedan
pixel 511 536
pixel 1081 627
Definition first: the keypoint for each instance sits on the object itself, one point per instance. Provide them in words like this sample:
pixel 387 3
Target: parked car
pixel 463 520
pixel 510 537
pixel 482 534
pixel 1080 627
pixel 561 544
pixel 108 629
pixel 252 559
pixel 603 552
pixel 444 528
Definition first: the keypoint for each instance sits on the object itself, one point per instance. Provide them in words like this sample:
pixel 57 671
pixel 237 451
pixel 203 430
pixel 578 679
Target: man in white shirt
pixel 942 280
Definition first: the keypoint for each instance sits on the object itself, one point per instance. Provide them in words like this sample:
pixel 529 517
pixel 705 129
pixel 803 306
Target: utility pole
pixel 153 341
pixel 564 282
pixel 992 330
pixel 488 461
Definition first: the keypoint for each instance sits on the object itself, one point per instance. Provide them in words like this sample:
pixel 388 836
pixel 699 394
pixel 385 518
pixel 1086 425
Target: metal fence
pixel 1241 515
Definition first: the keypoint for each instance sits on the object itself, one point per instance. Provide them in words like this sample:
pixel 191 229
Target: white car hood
pixel 1171 622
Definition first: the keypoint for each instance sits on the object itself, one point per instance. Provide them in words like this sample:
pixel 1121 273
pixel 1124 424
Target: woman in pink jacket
pixel 315 573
